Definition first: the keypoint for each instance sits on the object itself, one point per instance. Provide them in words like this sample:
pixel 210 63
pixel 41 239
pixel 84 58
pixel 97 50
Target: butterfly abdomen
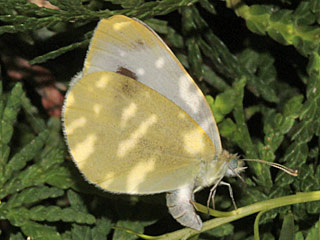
pixel 181 208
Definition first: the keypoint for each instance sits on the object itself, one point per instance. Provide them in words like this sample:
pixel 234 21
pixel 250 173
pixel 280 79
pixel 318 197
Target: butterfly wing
pixel 126 137
pixel 129 47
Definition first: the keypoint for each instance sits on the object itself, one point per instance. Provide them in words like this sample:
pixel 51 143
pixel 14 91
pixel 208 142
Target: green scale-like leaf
pixel 20 159
pixel 9 115
pixel 32 195
pixel 280 25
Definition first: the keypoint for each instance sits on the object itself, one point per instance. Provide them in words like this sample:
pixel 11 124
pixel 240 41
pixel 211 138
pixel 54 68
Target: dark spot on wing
pixel 126 89
pixel 129 88
pixel 140 43
pixel 126 72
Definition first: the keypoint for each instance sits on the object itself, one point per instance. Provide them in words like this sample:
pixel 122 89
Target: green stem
pixel 243 212
pixel 256 225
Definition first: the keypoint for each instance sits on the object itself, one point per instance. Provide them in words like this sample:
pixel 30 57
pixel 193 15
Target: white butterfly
pixel 136 122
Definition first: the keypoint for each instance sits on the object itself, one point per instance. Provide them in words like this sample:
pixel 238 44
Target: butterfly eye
pixel 233 164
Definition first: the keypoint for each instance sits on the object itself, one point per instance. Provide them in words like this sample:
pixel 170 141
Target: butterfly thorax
pixel 224 164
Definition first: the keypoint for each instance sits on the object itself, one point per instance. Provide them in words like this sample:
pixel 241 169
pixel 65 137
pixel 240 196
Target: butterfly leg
pixel 212 200
pixel 212 194
pixel 230 192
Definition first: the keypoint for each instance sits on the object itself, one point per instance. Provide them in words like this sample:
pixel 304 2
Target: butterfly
pixel 135 122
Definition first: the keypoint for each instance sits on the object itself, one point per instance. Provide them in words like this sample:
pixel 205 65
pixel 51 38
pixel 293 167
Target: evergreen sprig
pixel 28 177
pixel 263 110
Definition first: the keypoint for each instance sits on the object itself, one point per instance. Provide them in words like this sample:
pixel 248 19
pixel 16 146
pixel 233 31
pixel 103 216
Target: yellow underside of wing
pixel 128 46
pixel 126 137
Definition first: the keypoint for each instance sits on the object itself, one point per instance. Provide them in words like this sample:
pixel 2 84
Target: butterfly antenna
pixel 292 172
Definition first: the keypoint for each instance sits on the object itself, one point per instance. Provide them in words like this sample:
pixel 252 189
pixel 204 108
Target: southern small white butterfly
pixel 135 122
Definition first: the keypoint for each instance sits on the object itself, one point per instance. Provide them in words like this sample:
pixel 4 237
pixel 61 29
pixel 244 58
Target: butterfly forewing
pixel 129 47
